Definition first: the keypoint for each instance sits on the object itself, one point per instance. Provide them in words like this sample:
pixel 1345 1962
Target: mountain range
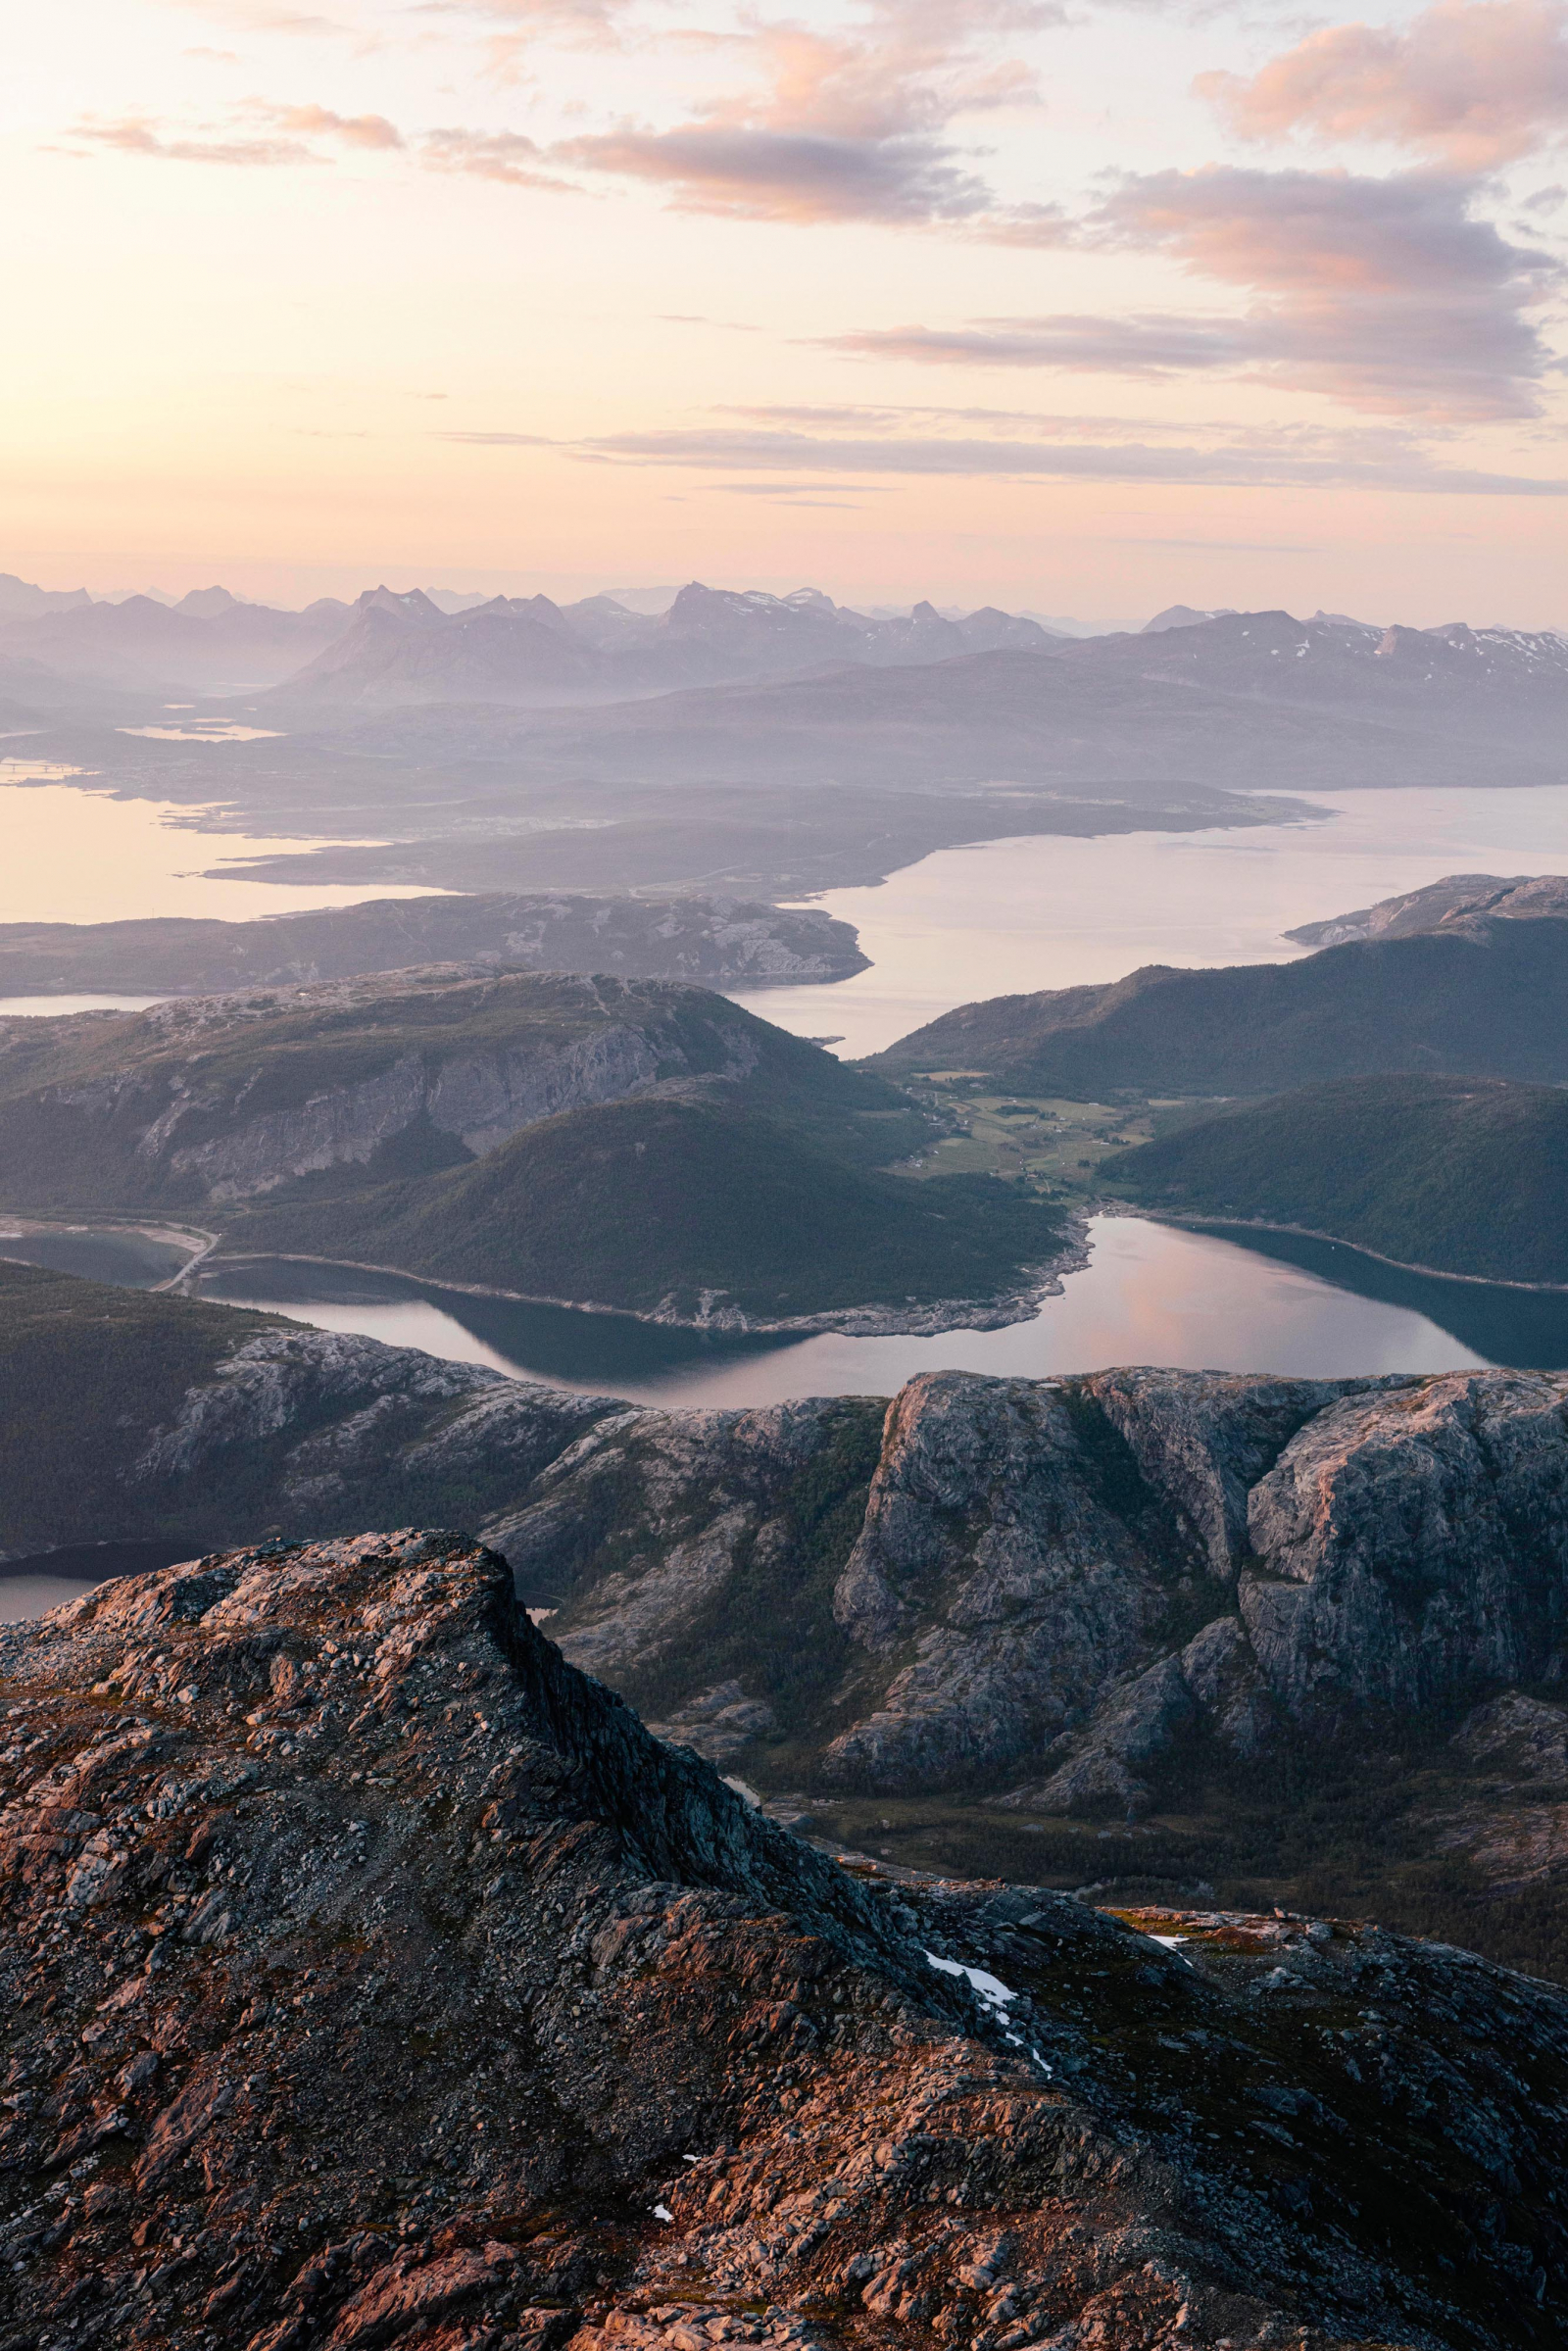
pixel 731 684
pixel 391 646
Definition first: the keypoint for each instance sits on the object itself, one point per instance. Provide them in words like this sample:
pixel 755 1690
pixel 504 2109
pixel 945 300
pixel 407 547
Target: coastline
pixel 869 1321
pixel 1306 1232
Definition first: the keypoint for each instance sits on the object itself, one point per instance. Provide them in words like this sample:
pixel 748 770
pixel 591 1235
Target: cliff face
pixel 206 1100
pixel 1043 1589
pixel 371 1977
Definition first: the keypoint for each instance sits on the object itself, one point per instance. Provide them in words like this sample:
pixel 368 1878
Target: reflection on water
pixel 1150 1293
pixel 130 1260
pixel 210 731
pixel 55 1008
pixel 1009 916
pixel 79 855
pixel 1504 1325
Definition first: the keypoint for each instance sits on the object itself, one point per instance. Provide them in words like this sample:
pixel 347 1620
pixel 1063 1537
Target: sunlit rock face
pixel 373 1976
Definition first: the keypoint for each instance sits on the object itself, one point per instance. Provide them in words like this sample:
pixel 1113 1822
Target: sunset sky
pixel 1057 304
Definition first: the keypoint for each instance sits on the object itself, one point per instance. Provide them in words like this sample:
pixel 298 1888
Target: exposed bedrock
pixel 373 1979
pixel 1043 1589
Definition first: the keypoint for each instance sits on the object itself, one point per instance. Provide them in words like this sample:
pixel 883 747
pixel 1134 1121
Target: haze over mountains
pixel 390 646
pixel 765 746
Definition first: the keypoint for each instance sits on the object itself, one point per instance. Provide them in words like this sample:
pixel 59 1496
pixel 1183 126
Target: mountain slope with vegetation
pixel 199 1103
pixel 643 1146
pixel 1461 1175
pixel 683 1211
pixel 1491 1001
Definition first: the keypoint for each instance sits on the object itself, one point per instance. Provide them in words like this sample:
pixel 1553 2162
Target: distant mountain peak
pixel 205 604
pixel 1185 615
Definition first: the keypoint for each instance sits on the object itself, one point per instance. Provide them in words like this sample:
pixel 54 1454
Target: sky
pixel 1075 308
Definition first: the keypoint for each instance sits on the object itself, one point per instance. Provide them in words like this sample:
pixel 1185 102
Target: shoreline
pixel 1306 1232
pixel 871 1321
pixel 867 1321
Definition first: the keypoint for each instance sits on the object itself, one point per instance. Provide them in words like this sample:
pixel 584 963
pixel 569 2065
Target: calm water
pixel 1009 916
pixel 130 1260
pixel 1150 1293
pixel 73 855
pixel 31 1587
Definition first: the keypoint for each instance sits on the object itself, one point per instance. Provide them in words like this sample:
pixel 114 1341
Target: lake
pixel 1007 917
pixel 1150 1293
pixel 1216 1298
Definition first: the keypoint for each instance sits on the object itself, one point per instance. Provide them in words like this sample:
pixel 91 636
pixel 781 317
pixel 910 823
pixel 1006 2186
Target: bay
pixel 1008 918
pixel 74 855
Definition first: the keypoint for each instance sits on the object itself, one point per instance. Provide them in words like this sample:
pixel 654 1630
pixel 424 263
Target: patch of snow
pixel 1171 1942
pixel 993 1994
pixel 661 2212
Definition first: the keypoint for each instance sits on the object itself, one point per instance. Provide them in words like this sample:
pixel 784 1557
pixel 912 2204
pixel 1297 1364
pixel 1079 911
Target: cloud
pixel 263 15
pixel 1389 462
pixel 133 136
pixel 232 143
pixel 1136 345
pixel 799 492
pixel 1475 82
pixel 845 124
pixel 353 131
pixel 1387 293
pixel 762 175
pixel 501 155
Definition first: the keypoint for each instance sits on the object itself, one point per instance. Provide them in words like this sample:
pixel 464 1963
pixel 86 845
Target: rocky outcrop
pixel 1056 1592
pixel 208 1101
pixel 1411 1545
pixel 1458 903
pixel 372 1978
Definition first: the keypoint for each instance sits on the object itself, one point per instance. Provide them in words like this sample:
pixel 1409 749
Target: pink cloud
pixel 354 131
pixel 135 136
pixel 1387 293
pixel 500 155
pixel 1477 83
pixel 845 124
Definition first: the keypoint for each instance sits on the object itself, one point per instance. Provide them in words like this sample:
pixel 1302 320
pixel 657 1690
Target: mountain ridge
pixel 1454 1175
pixel 1484 1001
pixel 409 1990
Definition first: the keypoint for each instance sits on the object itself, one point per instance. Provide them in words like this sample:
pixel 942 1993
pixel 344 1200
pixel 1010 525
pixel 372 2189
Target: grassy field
pixel 1055 1145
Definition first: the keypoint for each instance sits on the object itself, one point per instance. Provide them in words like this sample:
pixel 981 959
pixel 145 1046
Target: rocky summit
pixel 373 1976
